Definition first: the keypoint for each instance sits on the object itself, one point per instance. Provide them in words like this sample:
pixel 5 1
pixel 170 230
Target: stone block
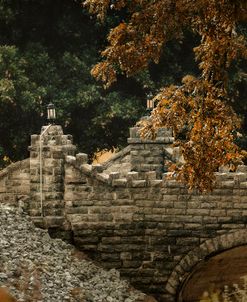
pixel 188 241
pixel 121 182
pixel 145 203
pixel 170 183
pixel 86 168
pixel 76 210
pixel 155 160
pixel 97 168
pixel 147 167
pixel 126 256
pixel 180 205
pixel 240 177
pixel 233 212
pixel 131 263
pixel 145 153
pixel 122 194
pixel 123 217
pixel 69 149
pixel 134 140
pixel 155 183
pixel 2 189
pixel 34 155
pixel 138 183
pixel 137 160
pixel 240 204
pixel 81 158
pixel 109 257
pixel 102 177
pixel 241 192
pixel 34 139
pixel 172 197
pixel 57 154
pixel 201 212
pixel 124 202
pixel 154 193
pixel 112 264
pixel 138 217
pixel 114 175
pixel 232 226
pixel 227 184
pixel 132 176
pixel 242 168
pixel 104 202
pixel 104 217
pixel 53 212
pixel 171 290
pixel 217 212
pixel 80 202
pixel 164 204
pixel 174 211
pixel 134 132
pixel 224 169
pixel 205 205
pixel 137 195
pixel 89 240
pixel 111 240
pixel 53 221
pixel 223 192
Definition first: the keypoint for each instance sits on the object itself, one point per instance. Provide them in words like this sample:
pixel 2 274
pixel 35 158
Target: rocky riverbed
pixel 34 267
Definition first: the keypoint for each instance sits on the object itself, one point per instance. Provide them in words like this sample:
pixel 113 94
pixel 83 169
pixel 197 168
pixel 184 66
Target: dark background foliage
pixel 47 49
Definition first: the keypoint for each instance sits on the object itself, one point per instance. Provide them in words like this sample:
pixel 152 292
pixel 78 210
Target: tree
pixel 200 109
pixel 47 49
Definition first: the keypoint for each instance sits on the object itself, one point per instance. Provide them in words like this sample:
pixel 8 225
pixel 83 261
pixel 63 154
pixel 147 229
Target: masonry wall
pixel 47 155
pixel 145 227
pixel 15 183
pixel 127 214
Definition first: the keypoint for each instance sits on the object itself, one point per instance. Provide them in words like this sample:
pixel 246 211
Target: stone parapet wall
pixel 146 154
pixel 144 225
pixel 47 155
pixel 15 183
pixel 139 221
pixel 119 162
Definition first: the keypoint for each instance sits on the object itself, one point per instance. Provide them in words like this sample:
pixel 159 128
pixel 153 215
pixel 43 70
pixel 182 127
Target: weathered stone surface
pixel 139 219
pixel 38 268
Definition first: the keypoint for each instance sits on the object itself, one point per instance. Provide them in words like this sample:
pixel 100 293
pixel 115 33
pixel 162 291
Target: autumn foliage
pixel 5 296
pixel 199 110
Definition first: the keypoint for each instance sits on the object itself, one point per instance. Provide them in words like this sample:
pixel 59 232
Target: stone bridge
pixel 127 214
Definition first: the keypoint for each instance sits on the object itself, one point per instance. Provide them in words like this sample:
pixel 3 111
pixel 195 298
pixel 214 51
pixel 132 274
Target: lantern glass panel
pixel 150 104
pixel 51 112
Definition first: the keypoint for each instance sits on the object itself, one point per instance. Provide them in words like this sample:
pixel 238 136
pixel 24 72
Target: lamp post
pixel 51 113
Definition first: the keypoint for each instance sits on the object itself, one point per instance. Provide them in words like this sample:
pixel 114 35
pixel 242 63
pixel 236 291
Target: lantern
pixel 51 113
pixel 150 104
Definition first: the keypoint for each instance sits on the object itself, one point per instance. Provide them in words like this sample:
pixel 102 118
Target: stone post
pixel 47 157
pixel 148 155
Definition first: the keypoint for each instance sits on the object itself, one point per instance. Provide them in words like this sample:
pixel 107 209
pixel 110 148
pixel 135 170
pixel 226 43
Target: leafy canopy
pixel 47 49
pixel 199 110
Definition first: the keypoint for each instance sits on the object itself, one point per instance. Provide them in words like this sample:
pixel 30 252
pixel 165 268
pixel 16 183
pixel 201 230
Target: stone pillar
pixel 47 158
pixel 148 155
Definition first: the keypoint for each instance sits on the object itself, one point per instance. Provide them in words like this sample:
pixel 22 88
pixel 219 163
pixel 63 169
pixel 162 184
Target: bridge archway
pixel 216 253
pixel 212 274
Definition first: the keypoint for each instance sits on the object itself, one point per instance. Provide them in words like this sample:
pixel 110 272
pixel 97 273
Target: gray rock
pixel 36 268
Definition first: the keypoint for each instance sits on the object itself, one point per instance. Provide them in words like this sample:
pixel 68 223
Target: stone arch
pixel 208 248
